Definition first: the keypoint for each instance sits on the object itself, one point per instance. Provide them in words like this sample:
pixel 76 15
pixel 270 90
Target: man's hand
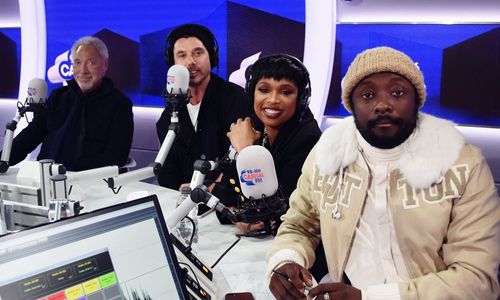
pixel 184 185
pixel 289 281
pixel 335 290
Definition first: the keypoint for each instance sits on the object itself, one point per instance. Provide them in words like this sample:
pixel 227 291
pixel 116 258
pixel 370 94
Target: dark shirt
pixel 290 149
pixel 80 131
pixel 223 103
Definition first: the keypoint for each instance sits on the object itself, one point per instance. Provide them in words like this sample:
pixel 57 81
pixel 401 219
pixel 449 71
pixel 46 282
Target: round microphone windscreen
pixel 37 91
pixel 177 80
pixel 256 172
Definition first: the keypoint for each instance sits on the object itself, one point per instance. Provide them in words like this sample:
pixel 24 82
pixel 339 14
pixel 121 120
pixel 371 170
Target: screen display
pixel 121 253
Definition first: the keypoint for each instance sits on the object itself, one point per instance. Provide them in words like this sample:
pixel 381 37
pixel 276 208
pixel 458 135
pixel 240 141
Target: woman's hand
pixel 242 134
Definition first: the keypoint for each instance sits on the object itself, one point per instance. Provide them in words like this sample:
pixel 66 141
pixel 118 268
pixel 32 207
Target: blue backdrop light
pixel 425 43
pixel 142 26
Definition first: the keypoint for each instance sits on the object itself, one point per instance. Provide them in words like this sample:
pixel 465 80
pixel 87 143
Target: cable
pixel 227 250
pixel 188 249
pixel 114 189
pixel 192 272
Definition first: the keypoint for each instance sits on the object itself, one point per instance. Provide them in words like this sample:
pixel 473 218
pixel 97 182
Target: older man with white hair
pixel 88 123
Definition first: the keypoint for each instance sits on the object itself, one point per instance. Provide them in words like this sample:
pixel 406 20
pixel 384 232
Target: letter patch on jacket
pixel 329 188
pixel 451 186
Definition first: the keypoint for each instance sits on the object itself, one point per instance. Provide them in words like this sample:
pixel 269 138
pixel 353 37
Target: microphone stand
pixel 59 204
pixel 252 210
pixel 10 128
pixel 184 254
pixel 115 183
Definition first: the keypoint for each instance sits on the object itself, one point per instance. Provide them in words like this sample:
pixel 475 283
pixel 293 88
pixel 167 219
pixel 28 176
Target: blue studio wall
pixel 460 62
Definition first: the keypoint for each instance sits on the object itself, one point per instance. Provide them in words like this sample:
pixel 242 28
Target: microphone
pixel 35 102
pixel 259 186
pixel 37 91
pixel 177 88
pixel 36 96
pixel 257 174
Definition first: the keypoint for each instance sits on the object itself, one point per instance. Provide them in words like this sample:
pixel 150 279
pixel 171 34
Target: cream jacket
pixel 442 198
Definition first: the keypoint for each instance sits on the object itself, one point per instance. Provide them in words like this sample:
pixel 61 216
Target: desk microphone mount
pixel 11 127
pixel 115 183
pixel 59 205
pixel 202 271
pixel 52 205
pixel 251 211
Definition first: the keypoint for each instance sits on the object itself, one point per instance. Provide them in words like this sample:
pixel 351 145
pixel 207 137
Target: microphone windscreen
pixel 37 91
pixel 177 80
pixel 256 172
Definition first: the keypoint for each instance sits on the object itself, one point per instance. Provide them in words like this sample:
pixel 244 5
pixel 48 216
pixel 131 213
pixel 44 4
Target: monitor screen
pixel 120 252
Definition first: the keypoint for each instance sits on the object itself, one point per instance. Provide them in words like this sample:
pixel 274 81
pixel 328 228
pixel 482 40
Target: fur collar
pixel 425 158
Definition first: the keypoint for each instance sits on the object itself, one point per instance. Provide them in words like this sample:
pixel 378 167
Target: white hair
pixel 91 41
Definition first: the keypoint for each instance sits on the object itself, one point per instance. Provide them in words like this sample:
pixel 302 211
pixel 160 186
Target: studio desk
pixel 242 269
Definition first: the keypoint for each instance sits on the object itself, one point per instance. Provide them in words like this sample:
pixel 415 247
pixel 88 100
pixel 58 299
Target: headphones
pixel 193 30
pixel 302 101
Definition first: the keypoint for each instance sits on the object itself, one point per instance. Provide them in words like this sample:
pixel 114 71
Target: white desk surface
pixel 242 268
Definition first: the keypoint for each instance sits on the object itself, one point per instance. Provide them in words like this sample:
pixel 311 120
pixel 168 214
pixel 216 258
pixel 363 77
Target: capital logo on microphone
pixel 32 91
pixel 170 79
pixel 251 176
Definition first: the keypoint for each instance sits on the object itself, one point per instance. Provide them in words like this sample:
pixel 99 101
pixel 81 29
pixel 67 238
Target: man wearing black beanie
pixel 214 104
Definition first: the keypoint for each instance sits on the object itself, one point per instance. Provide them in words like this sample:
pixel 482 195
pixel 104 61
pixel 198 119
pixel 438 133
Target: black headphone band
pixel 303 102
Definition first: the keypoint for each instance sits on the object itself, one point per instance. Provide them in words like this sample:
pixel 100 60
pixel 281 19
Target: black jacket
pixel 222 104
pixel 290 149
pixel 80 131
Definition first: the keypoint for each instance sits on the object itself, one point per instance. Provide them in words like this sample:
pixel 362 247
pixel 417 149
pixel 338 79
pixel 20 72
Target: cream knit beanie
pixel 377 60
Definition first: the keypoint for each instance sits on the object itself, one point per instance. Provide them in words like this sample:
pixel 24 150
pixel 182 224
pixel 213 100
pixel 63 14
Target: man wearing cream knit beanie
pixel 395 64
pixel 405 209
pixel 377 60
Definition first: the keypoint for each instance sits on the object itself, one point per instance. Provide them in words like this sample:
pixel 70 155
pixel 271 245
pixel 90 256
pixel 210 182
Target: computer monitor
pixel 119 252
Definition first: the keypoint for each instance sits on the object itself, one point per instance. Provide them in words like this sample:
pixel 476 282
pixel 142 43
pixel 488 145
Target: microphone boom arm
pixel 154 168
pixel 35 102
pixel 10 128
pixel 200 194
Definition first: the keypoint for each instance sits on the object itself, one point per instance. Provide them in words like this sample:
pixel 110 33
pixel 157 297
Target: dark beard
pixel 386 143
